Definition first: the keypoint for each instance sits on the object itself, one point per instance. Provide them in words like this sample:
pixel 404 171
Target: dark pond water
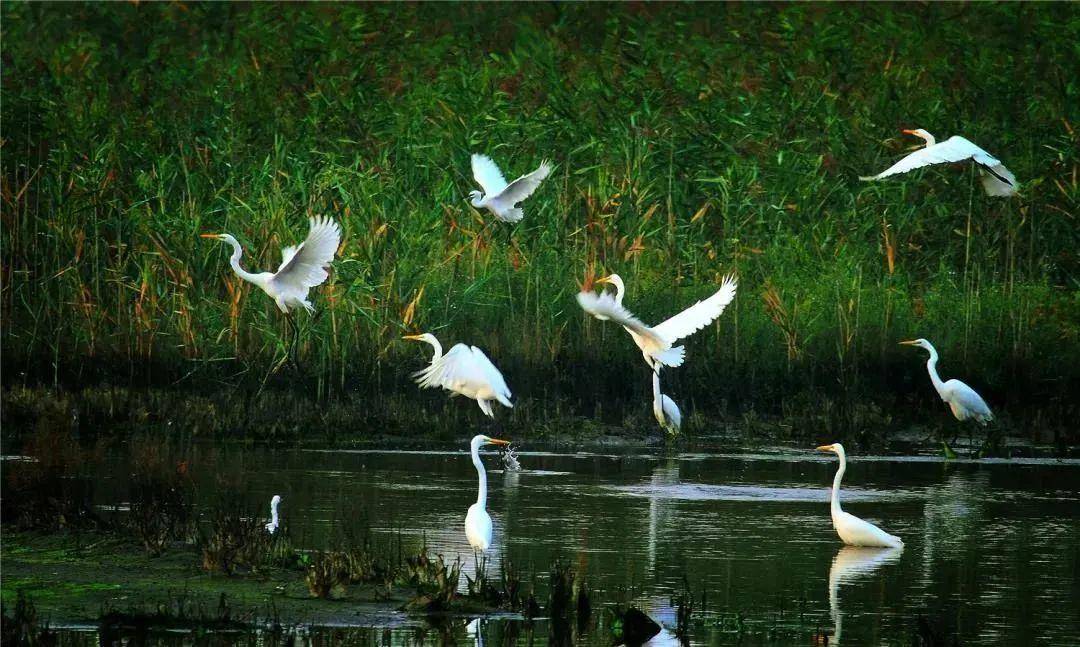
pixel 992 551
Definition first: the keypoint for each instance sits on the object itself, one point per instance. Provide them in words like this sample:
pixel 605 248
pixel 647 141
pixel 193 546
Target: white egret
pixel 477 520
pixel 500 198
pixel 302 267
pixel 853 530
pixel 664 408
pixel 465 371
pixel 656 342
pixel 964 402
pixel 996 179
pixel 272 525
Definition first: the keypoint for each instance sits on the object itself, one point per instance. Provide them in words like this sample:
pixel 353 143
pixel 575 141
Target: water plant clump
pixel 162 497
pixel 233 542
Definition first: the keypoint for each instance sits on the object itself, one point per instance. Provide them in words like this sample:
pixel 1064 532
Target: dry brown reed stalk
pixel 784 319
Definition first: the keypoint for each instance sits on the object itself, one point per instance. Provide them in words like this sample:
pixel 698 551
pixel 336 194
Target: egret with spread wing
pixel 964 402
pixel 664 408
pixel 303 267
pixel 656 342
pixel 851 529
pixel 477 520
pixel 465 370
pixel 996 179
pixel 500 198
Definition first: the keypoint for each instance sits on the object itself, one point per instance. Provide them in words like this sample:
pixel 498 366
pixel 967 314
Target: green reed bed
pixel 691 141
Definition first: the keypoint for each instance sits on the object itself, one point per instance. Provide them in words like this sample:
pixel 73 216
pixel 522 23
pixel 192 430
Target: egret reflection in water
pixel 851 564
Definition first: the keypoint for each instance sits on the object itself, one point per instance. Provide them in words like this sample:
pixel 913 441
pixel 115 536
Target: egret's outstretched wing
pixel 304 266
pixel 700 314
pixel 525 185
pixel 969 402
pixel 492 376
pixel 487 174
pixel 953 149
pixel 604 307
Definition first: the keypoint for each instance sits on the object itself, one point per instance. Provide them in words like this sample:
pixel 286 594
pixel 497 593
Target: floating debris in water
pixel 510 461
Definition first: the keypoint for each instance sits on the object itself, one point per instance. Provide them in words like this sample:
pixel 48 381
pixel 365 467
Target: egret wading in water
pixel 477 520
pixel 499 197
pixel 656 342
pixel 996 179
pixel 464 371
pixel 272 525
pixel 853 530
pixel 963 401
pixel 664 408
pixel 303 267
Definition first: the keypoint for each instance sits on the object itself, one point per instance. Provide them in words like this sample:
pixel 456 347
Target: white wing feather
pixel 465 369
pixel 493 376
pixel 699 315
pixel 487 174
pixel 994 186
pixel 953 149
pixel 604 307
pixel 524 186
pixel 970 403
pixel 304 266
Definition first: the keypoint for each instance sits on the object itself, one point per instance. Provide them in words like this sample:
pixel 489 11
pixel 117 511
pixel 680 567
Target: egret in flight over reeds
pixel 272 525
pixel 996 179
pixel 853 530
pixel 465 371
pixel 664 408
pixel 500 198
pixel 964 402
pixel 477 520
pixel 656 342
pixel 303 267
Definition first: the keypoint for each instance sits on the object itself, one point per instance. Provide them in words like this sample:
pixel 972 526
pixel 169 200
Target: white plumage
pixel 272 525
pixel 464 370
pixel 664 408
pixel 478 526
pixel 656 342
pixel 303 266
pixel 963 401
pixel 500 198
pixel 996 179
pixel 851 529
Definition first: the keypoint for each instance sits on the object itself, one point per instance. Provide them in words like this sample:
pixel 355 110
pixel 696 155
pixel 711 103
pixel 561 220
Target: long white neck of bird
pixel 835 503
pixel 438 353
pixel 481 495
pixel 618 291
pixel 273 512
pixel 235 262
pixel 657 401
pixel 931 368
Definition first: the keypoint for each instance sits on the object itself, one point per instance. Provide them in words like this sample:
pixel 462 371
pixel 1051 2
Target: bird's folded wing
pixel 700 314
pixel 604 306
pixel 487 174
pixel 491 374
pixel 525 185
pixel 953 149
pixel 968 397
pixel 306 266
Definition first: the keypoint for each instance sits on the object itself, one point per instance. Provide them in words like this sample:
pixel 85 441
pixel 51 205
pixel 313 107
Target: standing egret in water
pixel 996 179
pixel 853 530
pixel 272 525
pixel 499 197
pixel 465 371
pixel 478 521
pixel 964 402
pixel 664 408
pixel 656 342
pixel 302 268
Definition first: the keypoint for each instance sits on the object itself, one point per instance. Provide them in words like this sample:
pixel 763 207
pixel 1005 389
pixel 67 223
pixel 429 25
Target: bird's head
pixel 428 337
pixel 481 440
pixel 613 280
pixel 921 134
pixel 276 500
pixel 474 198
pixel 835 448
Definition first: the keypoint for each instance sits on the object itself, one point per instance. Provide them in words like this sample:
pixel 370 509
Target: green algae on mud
pixel 78 577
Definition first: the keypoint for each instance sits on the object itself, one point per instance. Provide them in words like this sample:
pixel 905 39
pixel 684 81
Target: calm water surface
pixel 992 549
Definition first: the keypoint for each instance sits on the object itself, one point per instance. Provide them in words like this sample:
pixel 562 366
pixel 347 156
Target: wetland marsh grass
pixel 691 141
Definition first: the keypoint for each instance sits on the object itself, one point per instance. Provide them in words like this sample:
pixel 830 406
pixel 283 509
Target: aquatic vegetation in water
pixel 162 502
pixel 233 541
pixel 328 570
pixel 434 581
pixel 22 627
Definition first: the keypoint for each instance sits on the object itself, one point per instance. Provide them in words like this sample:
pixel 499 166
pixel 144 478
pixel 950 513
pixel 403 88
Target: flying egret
pixel 664 408
pixel 962 399
pixel 853 530
pixel 272 525
pixel 302 267
pixel 477 520
pixel 656 342
pixel 466 371
pixel 996 179
pixel 499 197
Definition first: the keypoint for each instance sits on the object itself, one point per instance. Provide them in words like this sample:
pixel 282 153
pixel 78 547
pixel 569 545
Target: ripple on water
pixel 702 492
